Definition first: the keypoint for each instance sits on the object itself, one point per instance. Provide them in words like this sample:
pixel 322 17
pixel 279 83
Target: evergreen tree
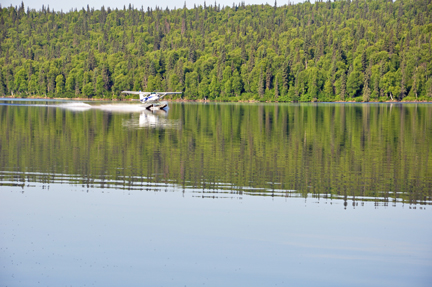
pixel 261 84
pixel 366 89
pixel 60 84
pixel 343 86
pixel 328 89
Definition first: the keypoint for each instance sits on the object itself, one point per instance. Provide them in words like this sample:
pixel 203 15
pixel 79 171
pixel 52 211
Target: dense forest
pixel 361 50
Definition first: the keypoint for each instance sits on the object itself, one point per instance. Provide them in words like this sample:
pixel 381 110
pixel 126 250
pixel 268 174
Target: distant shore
pixel 198 101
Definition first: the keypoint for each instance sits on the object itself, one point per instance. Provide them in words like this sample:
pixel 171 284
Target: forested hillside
pixel 361 50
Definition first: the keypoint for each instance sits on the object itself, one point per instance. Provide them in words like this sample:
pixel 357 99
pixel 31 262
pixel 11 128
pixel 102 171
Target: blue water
pixel 58 230
pixel 74 236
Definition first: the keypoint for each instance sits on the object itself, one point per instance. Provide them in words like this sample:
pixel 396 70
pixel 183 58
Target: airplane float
pixel 152 100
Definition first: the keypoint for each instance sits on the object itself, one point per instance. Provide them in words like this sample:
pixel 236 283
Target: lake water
pixel 109 194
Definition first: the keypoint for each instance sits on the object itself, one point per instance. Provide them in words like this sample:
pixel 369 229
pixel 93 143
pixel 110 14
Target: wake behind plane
pixel 152 100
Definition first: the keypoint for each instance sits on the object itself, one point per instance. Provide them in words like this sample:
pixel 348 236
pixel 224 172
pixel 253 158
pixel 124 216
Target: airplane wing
pixel 168 93
pixel 136 93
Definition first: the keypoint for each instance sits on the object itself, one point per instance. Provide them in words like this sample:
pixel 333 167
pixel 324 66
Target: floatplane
pixel 152 100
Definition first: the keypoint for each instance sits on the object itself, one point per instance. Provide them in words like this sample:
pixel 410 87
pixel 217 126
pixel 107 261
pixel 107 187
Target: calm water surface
pixel 108 194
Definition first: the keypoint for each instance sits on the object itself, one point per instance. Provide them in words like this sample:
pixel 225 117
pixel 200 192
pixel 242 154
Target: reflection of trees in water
pixel 355 152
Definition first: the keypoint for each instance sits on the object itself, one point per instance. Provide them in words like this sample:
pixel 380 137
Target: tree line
pixel 361 50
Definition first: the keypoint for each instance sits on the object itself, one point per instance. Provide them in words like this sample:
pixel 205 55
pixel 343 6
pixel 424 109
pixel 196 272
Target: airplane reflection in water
pixel 152 119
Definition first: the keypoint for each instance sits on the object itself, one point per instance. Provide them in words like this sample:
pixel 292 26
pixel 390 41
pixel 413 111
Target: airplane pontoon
pixel 152 100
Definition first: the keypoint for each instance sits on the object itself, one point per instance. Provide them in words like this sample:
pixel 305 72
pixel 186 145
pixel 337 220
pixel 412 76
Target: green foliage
pixel 354 83
pixel 304 52
pixel 88 90
pixel 60 84
pixel 389 84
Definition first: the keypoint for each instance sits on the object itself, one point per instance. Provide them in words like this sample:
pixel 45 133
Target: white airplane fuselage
pixel 152 100
pixel 149 98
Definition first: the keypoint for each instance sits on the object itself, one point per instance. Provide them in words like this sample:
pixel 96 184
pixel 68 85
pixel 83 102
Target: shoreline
pixel 198 101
